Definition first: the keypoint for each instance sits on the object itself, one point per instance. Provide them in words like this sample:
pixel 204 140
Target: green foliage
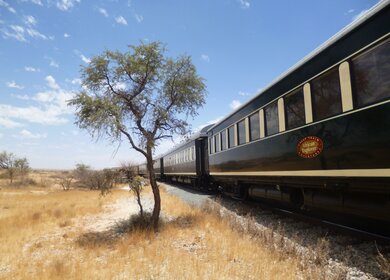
pixel 136 184
pixel 140 93
pixel 81 174
pixel 23 167
pixel 102 180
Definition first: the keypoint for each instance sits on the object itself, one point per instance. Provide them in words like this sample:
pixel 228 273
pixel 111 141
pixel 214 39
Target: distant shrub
pixel 102 180
pixel 65 182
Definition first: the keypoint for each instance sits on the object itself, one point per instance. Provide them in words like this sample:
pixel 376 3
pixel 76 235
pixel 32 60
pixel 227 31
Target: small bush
pixel 135 223
pixel 65 182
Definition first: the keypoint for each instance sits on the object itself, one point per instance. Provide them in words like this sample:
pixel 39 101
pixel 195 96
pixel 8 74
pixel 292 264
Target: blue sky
pixel 238 46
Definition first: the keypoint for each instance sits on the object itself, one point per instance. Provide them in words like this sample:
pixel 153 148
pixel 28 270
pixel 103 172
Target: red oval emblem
pixel 310 147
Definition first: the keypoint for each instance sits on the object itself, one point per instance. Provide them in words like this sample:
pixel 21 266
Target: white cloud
pixel 103 12
pixel 7 6
pixel 121 20
pixel 50 115
pixel 13 84
pixel 85 59
pixel 51 109
pixel 242 93
pixel 359 15
pixel 31 69
pixel 120 86
pixel 138 18
pixel 235 104
pixel 51 82
pixel 244 4
pixel 16 32
pixel 21 97
pixel 25 134
pixel 65 5
pixel 214 121
pixel 30 20
pixel 76 81
pixel 52 63
pixel 36 2
pixel 20 33
pixel 350 11
pixel 205 57
pixel 66 35
pixel 8 123
pixel 82 56
pixel 36 34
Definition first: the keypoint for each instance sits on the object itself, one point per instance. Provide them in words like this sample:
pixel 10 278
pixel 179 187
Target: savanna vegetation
pixel 142 96
pixel 48 233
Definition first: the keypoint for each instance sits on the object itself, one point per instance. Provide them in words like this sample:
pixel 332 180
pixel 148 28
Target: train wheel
pixel 296 198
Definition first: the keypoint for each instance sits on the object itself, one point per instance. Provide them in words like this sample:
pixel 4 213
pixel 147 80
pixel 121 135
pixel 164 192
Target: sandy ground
pixel 42 247
pixel 121 210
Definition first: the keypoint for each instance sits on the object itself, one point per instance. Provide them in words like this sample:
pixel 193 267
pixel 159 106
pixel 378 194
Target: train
pixel 318 137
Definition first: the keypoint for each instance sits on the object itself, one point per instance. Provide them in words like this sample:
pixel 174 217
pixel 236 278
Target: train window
pixel 217 144
pixel 241 132
pixel 231 136
pixel 271 119
pixel 223 140
pixel 254 124
pixel 211 145
pixel 326 95
pixel 295 109
pixel 371 75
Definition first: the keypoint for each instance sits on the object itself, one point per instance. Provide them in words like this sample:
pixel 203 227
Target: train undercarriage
pixel 338 196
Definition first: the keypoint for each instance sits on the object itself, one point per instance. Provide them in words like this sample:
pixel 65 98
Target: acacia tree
pixel 7 162
pixel 14 165
pixel 22 167
pixel 141 96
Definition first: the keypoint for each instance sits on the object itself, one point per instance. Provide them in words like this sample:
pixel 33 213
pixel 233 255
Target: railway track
pixel 343 249
pixel 342 226
pixel 363 234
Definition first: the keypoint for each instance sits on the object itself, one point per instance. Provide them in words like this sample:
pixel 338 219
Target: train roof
pixel 342 33
pixel 196 135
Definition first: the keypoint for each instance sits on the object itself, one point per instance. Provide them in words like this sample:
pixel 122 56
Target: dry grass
pixel 41 239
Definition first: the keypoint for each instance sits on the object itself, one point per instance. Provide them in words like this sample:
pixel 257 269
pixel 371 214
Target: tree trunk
pixel 155 189
pixel 141 209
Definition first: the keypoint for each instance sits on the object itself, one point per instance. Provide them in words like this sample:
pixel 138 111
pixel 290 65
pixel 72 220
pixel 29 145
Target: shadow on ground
pixel 135 224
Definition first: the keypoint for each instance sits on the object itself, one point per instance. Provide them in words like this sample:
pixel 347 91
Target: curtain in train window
pixel 295 109
pixel 217 143
pixel 254 125
pixel 231 136
pixel 211 145
pixel 271 119
pixel 241 132
pixel 371 75
pixel 326 95
pixel 223 140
